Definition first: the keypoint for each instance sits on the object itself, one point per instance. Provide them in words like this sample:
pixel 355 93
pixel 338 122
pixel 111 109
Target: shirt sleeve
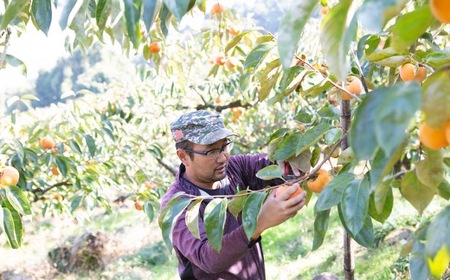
pixel 199 251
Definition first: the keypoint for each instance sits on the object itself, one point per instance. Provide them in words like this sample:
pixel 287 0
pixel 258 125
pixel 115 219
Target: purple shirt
pixel 235 260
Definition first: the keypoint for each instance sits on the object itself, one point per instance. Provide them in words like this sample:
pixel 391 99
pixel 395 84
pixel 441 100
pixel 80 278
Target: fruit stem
pixel 327 78
pixel 358 65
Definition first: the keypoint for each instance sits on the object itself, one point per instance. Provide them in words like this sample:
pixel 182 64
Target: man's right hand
pixel 277 209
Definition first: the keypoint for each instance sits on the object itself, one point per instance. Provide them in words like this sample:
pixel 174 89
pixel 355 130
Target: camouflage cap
pixel 200 127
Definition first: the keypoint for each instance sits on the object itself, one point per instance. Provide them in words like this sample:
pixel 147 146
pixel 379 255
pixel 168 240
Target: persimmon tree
pixel 376 130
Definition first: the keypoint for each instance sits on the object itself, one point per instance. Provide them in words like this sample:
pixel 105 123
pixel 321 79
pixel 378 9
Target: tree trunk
pixel 349 265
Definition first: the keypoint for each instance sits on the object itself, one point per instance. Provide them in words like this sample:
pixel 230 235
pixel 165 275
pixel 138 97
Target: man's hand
pixel 277 209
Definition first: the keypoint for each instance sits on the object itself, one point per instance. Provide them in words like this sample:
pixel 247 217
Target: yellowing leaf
pixel 439 263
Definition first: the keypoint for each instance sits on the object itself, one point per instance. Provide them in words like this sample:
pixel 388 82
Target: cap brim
pixel 215 136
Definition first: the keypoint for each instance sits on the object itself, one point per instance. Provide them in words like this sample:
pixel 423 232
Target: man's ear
pixel 183 156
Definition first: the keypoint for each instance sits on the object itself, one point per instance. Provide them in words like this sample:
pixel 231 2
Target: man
pixel 203 146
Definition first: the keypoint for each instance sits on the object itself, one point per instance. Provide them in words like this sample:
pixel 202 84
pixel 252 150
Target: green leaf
pixel 18 200
pixel 75 147
pixel 164 16
pixel 151 8
pixel 76 200
pixel 102 12
pixel 215 217
pixel 257 55
pixel 41 10
pixel 250 212
pixel 382 164
pixel 91 144
pixel 374 14
pixel 149 211
pixel 383 55
pixel 294 144
pixel 317 89
pixel 437 59
pixel 67 10
pixel 438 243
pixel 12 10
pixel 332 194
pixel 436 98
pixel 15 62
pixel 362 135
pixel 270 172
pixel 291 28
pixel 409 27
pixel 381 202
pixel 417 263
pixel 394 112
pixel 78 15
pixel 332 136
pixel 62 164
pixel 320 228
pixel 10 229
pixel 288 83
pixel 191 217
pixel 132 16
pixel 336 36
pixel 355 204
pixel 444 189
pixel 438 233
pixel 288 76
pixel 168 216
pixel 430 171
pixel 367 45
pixel 365 236
pixel 177 7
pixel 268 78
pixel 236 39
pixel 416 193
pixel 236 204
pixel 382 118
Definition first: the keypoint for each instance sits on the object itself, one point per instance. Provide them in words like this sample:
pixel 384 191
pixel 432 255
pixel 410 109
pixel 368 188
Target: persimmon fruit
pixel 441 10
pixel 354 86
pixel 138 205
pixel 55 171
pixel 47 143
pixel 154 48
pixel 150 185
pixel 408 72
pixel 447 132
pixel 318 184
pixel 9 176
pixel 433 138
pixel 283 188
pixel 217 9
pixel 220 60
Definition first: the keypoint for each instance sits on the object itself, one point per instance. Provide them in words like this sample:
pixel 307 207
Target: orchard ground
pixel 132 248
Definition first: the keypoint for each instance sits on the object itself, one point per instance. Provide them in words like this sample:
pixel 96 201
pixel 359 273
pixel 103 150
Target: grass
pixel 136 249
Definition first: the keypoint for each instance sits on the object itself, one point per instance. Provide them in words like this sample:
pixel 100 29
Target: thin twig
pixel 358 65
pixel 327 78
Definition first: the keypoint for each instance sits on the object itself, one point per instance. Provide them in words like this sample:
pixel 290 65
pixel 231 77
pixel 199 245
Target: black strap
pixel 253 242
pixel 187 273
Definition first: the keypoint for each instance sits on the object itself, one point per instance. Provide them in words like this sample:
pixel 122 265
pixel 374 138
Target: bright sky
pixel 36 50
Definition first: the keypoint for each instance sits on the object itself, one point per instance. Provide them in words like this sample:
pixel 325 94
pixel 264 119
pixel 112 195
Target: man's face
pixel 203 170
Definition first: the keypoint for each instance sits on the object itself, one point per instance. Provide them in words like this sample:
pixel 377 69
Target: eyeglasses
pixel 214 153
